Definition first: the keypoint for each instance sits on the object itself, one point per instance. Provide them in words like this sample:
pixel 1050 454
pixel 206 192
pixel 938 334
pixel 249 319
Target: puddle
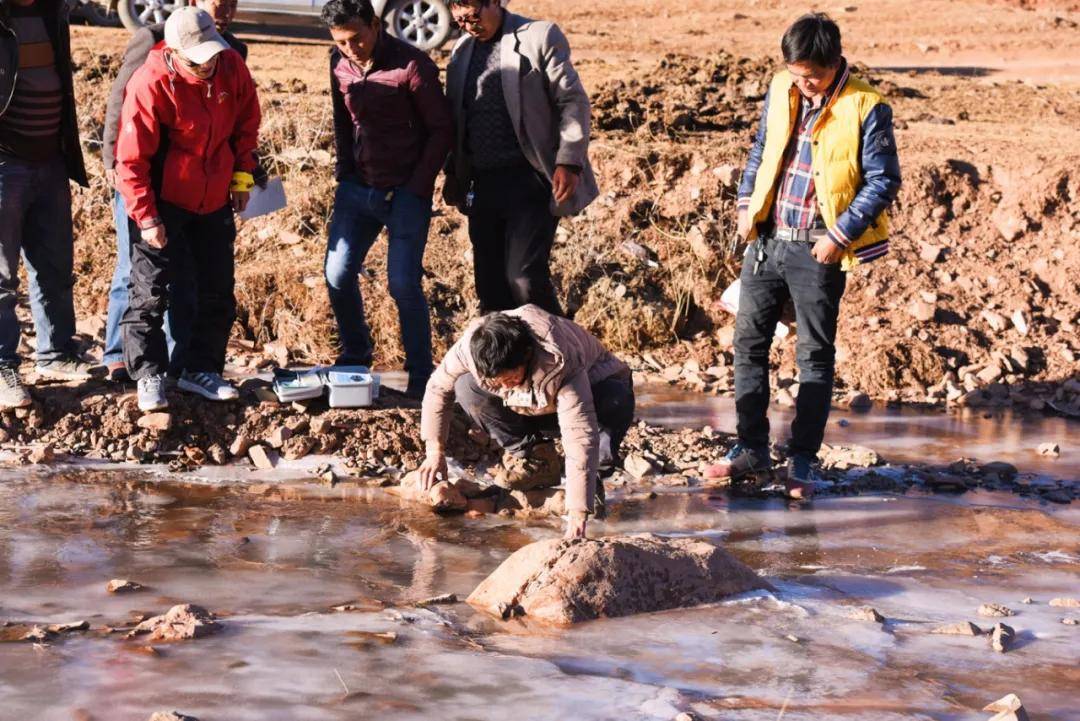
pixel 902 435
pixel 273 563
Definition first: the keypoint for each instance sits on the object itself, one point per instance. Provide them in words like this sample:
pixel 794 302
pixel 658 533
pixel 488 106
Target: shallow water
pixel 273 559
pixel 904 435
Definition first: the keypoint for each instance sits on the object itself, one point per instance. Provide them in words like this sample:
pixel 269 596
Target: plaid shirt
pixel 796 203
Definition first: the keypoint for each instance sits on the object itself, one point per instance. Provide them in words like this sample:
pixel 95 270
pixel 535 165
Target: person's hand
pixel 742 224
pixel 110 177
pixel 576 523
pixel 564 182
pixel 154 237
pixel 432 470
pixel 827 252
pixel 239 200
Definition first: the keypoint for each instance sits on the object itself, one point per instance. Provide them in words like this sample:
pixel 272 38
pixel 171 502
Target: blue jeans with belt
pixel 35 222
pixel 788 272
pixel 360 213
pixel 178 317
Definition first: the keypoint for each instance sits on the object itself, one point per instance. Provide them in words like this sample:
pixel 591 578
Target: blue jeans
pixel 35 219
pixel 181 300
pixel 360 213
pixel 789 272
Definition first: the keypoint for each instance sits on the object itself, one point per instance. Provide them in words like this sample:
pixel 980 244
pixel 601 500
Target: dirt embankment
pixel 976 304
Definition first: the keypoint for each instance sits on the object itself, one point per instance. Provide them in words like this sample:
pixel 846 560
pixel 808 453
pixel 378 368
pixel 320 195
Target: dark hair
pixel 501 343
pixel 339 13
pixel 813 38
pixel 481 3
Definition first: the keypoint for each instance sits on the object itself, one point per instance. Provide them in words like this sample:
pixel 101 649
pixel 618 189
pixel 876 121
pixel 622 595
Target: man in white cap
pixel 181 298
pixel 184 162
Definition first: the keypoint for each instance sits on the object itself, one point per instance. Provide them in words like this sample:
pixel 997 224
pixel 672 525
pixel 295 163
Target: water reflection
pixel 274 560
pixel 900 435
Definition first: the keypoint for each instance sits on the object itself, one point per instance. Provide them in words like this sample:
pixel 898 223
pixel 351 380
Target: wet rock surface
pixel 567 581
pixel 180 623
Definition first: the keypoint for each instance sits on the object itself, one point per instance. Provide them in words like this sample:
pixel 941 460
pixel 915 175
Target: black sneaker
pixel 741 461
pixel 70 368
pixel 802 477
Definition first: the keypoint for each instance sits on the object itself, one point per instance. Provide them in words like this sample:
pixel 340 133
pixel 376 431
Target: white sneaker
pixel 152 393
pixel 208 385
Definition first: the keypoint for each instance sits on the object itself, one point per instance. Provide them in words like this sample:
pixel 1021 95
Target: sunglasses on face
pixel 464 17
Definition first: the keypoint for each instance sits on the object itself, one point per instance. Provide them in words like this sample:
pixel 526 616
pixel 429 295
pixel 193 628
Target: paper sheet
pixel 264 201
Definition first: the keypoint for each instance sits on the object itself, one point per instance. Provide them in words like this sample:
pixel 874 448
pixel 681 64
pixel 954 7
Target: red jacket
pixel 181 138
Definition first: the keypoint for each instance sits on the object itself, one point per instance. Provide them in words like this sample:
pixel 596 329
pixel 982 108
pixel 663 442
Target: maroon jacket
pixel 393 126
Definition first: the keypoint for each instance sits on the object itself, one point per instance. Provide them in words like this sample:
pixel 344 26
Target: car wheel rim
pixel 153 11
pixel 418 21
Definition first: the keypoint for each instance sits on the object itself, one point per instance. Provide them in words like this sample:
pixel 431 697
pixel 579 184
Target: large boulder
pixel 561 581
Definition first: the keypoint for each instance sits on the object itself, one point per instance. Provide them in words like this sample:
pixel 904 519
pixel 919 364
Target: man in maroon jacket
pixel 189 128
pixel 392 131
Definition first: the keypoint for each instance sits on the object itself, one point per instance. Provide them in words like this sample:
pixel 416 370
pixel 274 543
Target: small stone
pixel 42 453
pixel 1007 708
pixel 685 716
pixel 1065 602
pixel 1027 601
pixel 994 320
pixel 1002 637
pixel 1020 322
pixel 929 252
pixel 122 585
pixel 866 613
pixel 319 425
pixel 784 398
pixel 989 374
pixel 1070 621
pixel 279 435
pixel 995 610
pixel 181 622
pixel 1049 449
pixel 859 402
pixel 155 421
pixel 261 458
pixel 638 466
pixel 171 716
pixel 240 446
pixel 922 311
pixel 964 628
pixel 443 600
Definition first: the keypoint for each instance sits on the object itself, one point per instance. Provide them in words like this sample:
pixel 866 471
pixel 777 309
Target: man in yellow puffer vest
pixel 820 174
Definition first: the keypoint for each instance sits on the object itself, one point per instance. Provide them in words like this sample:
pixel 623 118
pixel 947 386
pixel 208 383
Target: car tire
pixel 425 24
pixel 135 14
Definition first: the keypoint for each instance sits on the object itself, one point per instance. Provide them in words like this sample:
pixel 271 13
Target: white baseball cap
pixel 191 32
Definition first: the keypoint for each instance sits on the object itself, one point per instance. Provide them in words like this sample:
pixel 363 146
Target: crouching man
pixel 524 376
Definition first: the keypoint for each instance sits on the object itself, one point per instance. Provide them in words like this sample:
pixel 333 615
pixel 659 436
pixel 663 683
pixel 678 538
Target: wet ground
pixel 273 559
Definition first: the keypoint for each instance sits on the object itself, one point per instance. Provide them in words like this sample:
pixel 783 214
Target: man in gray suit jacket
pixel 520 160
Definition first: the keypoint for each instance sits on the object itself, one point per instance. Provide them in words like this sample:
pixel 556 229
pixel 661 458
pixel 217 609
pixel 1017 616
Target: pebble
pixel 995 610
pixel 155 421
pixel 1002 637
pixel 866 614
pixel 1065 602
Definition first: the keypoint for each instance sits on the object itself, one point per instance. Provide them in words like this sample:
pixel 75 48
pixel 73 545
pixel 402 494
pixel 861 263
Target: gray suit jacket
pixel 547 103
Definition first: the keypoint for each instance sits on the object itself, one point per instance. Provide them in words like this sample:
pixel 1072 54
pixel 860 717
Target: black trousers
pixel 512 230
pixel 789 271
pixel 613 399
pixel 199 245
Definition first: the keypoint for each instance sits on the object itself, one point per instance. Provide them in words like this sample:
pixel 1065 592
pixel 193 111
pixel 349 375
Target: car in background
pixel 427 24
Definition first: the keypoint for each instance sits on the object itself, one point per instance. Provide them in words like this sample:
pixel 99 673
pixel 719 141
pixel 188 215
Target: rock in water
pixel 1065 602
pixel 171 716
pixel 866 613
pixel 995 610
pixel 181 622
pixel 1002 638
pixel 561 581
pixel 122 585
pixel 1008 708
pixel 964 628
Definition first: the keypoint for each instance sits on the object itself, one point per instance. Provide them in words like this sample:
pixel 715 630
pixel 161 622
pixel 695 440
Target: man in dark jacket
pixel 39 153
pixel 821 172
pixel 392 132
pixel 521 156
pixel 181 297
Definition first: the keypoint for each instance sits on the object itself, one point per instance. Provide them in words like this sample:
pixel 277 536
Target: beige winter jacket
pixel 568 363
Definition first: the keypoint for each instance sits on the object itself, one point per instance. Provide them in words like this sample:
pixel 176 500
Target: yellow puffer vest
pixel 835 152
